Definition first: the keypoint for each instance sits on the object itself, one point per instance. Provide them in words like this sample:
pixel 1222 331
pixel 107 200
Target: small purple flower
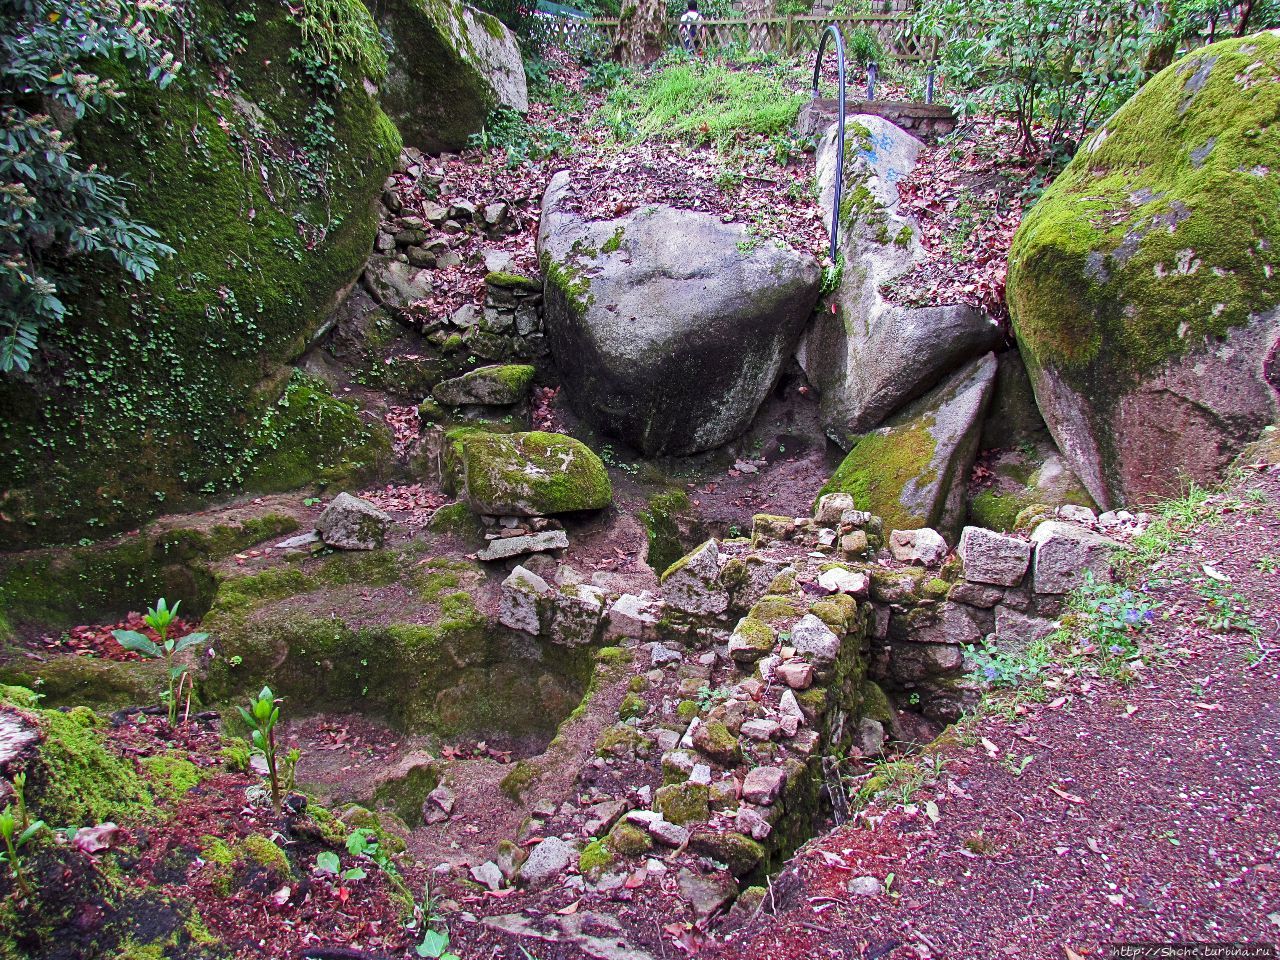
pixel 990 672
pixel 1116 648
pixel 1105 607
pixel 1149 615
pixel 1133 617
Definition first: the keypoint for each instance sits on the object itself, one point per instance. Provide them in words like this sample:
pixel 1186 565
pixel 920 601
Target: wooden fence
pixel 788 35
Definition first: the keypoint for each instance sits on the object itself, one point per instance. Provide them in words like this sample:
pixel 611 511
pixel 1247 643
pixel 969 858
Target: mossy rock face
pixel 736 851
pixel 672 528
pixel 155 395
pixel 450 65
pixel 64 587
pixel 595 859
pixel 390 633
pixel 1144 283
pixel 1031 474
pixel 914 471
pixel 527 474
pixel 628 840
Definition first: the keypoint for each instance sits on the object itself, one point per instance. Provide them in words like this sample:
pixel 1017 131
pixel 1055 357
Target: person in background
pixel 691 28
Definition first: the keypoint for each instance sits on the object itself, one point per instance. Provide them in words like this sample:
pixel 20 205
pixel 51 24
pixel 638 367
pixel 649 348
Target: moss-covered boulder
pixel 669 326
pixel 498 385
pixel 450 65
pixel 1144 283
pixel 526 474
pixel 914 471
pixel 265 182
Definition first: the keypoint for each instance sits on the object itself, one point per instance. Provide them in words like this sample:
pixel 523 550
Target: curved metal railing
pixel 833 31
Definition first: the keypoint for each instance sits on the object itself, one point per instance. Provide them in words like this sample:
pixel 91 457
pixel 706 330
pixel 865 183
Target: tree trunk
pixel 642 33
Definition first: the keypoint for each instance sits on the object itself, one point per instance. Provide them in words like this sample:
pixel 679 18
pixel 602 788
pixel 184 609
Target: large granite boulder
pixel 1144 284
pixel 870 357
pixel 913 471
pixel 449 65
pixel 668 326
pixel 525 474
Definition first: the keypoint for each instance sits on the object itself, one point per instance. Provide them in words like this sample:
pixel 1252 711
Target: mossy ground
pixel 393 633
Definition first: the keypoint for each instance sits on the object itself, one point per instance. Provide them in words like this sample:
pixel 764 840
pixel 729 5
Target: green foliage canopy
pixel 52 206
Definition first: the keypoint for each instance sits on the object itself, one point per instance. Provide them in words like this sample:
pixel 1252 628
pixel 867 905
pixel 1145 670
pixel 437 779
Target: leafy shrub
pixel 1057 66
pixel 605 75
pixel 523 141
pixel 862 47
pixel 53 207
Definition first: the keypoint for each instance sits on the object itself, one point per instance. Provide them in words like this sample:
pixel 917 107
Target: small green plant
pixel 979 844
pixel 160 619
pixel 429 917
pixel 17 830
pixel 1014 765
pixel 363 842
pixel 605 75
pixel 832 274
pixel 328 862
pixel 1225 609
pixel 508 130
pixel 1111 617
pixel 999 668
pixel 709 699
pixel 729 179
pixel 262 717
pixel 1268 564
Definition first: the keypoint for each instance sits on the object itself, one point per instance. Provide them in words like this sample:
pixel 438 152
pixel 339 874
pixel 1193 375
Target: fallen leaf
pixel 570 909
pixel 1069 797
pixel 93 839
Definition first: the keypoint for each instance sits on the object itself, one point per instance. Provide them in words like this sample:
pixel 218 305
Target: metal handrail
pixel 833 30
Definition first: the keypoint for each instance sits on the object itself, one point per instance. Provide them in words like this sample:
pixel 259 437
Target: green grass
pixel 703 102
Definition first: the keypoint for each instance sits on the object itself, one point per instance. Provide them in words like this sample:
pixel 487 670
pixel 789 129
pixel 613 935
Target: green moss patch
pixel 879 467
pixel 1162 230
pixel 526 474
pixel 75 779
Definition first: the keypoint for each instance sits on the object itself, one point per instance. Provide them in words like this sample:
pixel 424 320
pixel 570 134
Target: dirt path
pixel 1146 812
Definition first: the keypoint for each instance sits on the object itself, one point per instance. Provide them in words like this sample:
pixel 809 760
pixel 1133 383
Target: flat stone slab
pixel 543 542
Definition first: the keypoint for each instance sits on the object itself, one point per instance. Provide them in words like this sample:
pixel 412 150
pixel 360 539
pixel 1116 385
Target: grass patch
pixel 703 102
